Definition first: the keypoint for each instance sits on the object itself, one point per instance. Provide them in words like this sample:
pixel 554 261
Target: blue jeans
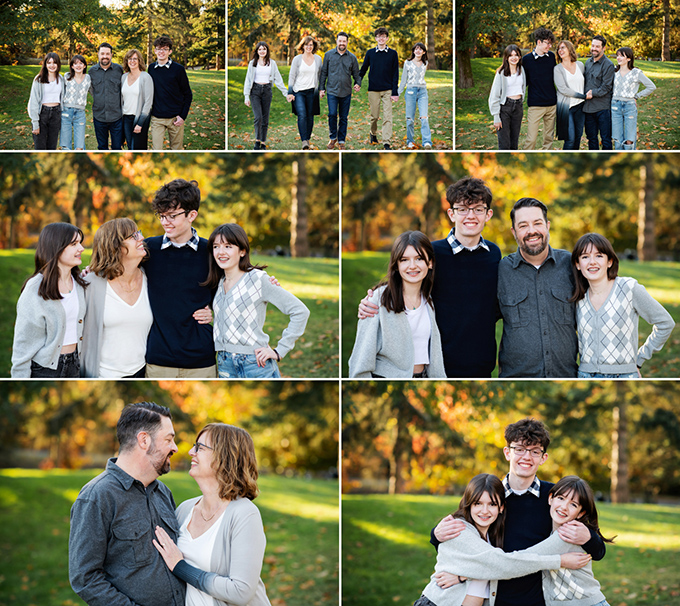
pixel 417 96
pixel 338 105
pixel 601 375
pixel 72 128
pixel 599 121
pixel 624 124
pixel 304 106
pixel 102 130
pixel 576 120
pixel 244 366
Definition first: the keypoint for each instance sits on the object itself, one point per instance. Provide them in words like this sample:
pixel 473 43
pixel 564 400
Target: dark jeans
pixel 260 102
pixel 600 121
pixel 68 368
pixel 338 105
pixel 576 120
pixel 304 106
pixel 136 141
pixel 49 123
pixel 511 119
pixel 102 130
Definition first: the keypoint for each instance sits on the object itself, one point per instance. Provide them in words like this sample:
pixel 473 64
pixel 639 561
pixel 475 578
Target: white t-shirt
pixel 575 82
pixel 419 321
pixel 71 306
pixel 126 328
pixel 263 73
pixel 51 92
pixel 514 85
pixel 306 76
pixel 198 552
pixel 130 97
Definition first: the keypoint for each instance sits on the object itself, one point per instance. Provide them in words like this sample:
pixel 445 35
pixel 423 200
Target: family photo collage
pixel 361 303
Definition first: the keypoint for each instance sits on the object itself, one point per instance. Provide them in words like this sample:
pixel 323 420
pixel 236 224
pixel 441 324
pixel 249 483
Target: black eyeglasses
pixel 198 445
pixel 172 217
pixel 536 453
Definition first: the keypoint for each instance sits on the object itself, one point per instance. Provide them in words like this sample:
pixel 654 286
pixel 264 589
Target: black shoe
pixel 373 140
pixel 257 145
pixel 387 146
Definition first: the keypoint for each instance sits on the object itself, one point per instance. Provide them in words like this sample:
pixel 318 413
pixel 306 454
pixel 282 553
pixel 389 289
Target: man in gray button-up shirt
pixel 112 559
pixel 337 71
pixel 107 111
pixel 599 84
pixel 534 287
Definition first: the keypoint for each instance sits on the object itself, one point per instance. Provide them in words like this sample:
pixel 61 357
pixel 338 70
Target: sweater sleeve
pixel 366 64
pixel 248 82
pixel 247 552
pixel 147 87
pixel 29 335
pixel 292 74
pixel 290 305
pixel 561 83
pixel 470 556
pixel 395 75
pixel 365 351
pixel 277 79
pixel 404 79
pixel 34 104
pixel 650 87
pixel 653 312
pixel 495 97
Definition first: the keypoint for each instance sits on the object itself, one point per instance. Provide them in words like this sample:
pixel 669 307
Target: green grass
pixel 312 280
pixel 361 271
pixel 657 114
pixel 300 519
pixel 387 558
pixel 283 132
pixel 204 128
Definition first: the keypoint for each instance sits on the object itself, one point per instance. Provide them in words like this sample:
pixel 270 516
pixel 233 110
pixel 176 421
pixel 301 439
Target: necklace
pixel 211 517
pixel 132 284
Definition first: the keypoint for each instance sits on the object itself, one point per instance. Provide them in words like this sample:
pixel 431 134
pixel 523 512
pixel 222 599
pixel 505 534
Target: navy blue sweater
pixel 174 274
pixel 540 79
pixel 464 296
pixel 384 66
pixel 171 91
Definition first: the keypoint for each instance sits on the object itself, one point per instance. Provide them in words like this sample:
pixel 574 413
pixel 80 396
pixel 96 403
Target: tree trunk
pixel 666 36
pixel 619 478
pixel 463 51
pixel 646 246
pixel 429 41
pixel 149 39
pixel 299 244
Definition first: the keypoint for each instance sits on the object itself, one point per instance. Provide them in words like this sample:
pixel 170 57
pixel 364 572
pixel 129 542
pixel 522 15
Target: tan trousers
pixel 157 128
pixel 375 99
pixel 535 116
pixel 166 372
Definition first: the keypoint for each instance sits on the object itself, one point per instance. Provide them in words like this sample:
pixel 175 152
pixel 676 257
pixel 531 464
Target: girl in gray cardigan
pixel 477 555
pixel 608 309
pixel 44 103
pixel 402 340
pixel 240 307
pixel 507 97
pixel 51 308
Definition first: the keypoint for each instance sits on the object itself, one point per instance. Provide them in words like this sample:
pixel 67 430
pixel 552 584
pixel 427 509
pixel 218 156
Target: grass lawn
pixel 314 281
pixel 300 519
pixel 283 133
pixel 658 114
pixel 204 128
pixel 361 271
pixel 387 558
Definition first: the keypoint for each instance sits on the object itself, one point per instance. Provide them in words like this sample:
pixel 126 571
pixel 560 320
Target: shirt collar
pixel 534 489
pixel 537 56
pixel 379 50
pixel 191 242
pixel 125 479
pixel 457 247
pixel 164 65
pixel 520 259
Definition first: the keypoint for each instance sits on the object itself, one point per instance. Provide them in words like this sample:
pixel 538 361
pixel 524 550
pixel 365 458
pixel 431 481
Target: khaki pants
pixel 166 372
pixel 157 128
pixel 375 99
pixel 535 116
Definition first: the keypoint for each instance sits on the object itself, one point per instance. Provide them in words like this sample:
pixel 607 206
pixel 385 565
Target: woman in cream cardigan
pixel 303 87
pixel 136 92
pixel 221 541
pixel 569 74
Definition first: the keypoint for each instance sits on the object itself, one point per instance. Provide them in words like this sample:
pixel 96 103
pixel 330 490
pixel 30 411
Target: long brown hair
pixel 393 295
pixel 628 53
pixel 234 234
pixel 477 486
pixel 505 66
pixel 256 57
pixel 43 76
pixel 586 499
pixel 601 244
pixel 107 248
pixel 413 54
pixel 53 240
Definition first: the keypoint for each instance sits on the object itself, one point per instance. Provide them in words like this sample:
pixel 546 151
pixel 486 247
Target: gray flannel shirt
pixel 599 78
pixel 539 323
pixel 339 70
pixel 105 89
pixel 112 560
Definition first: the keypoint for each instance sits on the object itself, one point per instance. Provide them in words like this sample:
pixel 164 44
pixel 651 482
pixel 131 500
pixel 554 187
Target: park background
pixel 29 30
pixel 409 449
pixel 56 436
pixel 284 23
pixel 274 197
pixel 485 27
pixel 631 198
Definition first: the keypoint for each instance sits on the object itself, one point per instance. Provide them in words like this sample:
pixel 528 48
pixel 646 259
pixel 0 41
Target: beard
pixel 533 249
pixel 160 462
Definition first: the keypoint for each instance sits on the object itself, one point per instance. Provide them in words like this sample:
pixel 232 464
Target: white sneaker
pixel 411 145
pixel 428 146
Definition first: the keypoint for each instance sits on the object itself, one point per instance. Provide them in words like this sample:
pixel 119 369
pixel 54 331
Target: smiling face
pixel 52 66
pixel 469 220
pixel 418 52
pixel 78 66
pixel 524 459
pixel 564 508
pixel 543 46
pixel 227 255
pixel 484 513
pixel 104 55
pixel 593 264
pixel 413 266
pixel 177 224
pixel 622 60
pixel 341 43
pixel 563 52
pixel 162 54
pixel 70 256
pixel 162 447
pixel 531 231
pixel 596 49
pixel 133 247
pixel 514 58
pixel 381 39
pixel 202 457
